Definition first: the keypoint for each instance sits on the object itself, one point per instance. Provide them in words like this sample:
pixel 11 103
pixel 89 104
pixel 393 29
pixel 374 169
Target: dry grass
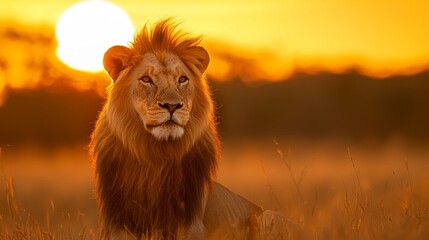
pixel 330 192
pixel 52 194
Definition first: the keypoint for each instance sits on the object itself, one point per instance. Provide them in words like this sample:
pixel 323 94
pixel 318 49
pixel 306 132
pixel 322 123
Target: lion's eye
pixel 146 79
pixel 183 79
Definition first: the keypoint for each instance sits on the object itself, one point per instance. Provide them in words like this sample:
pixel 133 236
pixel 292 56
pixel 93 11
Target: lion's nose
pixel 170 107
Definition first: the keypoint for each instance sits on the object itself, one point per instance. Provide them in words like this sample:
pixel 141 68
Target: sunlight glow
pixel 87 29
pixel 249 39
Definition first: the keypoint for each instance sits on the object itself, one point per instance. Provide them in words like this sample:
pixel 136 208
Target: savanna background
pixel 323 110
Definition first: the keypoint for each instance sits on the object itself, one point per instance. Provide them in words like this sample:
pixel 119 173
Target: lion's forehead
pixel 166 63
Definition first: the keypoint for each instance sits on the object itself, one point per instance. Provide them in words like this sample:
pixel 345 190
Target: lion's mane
pixel 145 185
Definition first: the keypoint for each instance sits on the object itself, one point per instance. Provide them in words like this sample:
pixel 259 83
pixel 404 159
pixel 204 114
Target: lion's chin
pixel 167 131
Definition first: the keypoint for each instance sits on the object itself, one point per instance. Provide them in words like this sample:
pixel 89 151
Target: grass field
pixel 331 191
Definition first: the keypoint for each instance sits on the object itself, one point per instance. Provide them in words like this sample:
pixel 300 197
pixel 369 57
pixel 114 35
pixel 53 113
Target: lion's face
pixel 162 94
pixel 159 84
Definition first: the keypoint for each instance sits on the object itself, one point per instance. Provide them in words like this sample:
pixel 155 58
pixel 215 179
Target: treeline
pixel 346 106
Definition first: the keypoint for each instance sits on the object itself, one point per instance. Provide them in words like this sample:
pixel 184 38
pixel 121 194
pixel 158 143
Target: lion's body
pixel 155 145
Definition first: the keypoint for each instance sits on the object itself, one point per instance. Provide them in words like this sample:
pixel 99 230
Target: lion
pixel 155 146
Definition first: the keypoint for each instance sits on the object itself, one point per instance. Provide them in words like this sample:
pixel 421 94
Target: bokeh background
pixel 331 86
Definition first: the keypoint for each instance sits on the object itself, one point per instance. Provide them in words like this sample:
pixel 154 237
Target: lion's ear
pixel 202 57
pixel 115 60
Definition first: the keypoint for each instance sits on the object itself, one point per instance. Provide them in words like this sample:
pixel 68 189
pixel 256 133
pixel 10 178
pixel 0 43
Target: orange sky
pixel 381 36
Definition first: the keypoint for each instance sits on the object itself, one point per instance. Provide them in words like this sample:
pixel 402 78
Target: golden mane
pixel 144 185
pixel 166 37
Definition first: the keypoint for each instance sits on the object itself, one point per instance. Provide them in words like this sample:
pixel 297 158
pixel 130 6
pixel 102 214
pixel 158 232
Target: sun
pixel 87 29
